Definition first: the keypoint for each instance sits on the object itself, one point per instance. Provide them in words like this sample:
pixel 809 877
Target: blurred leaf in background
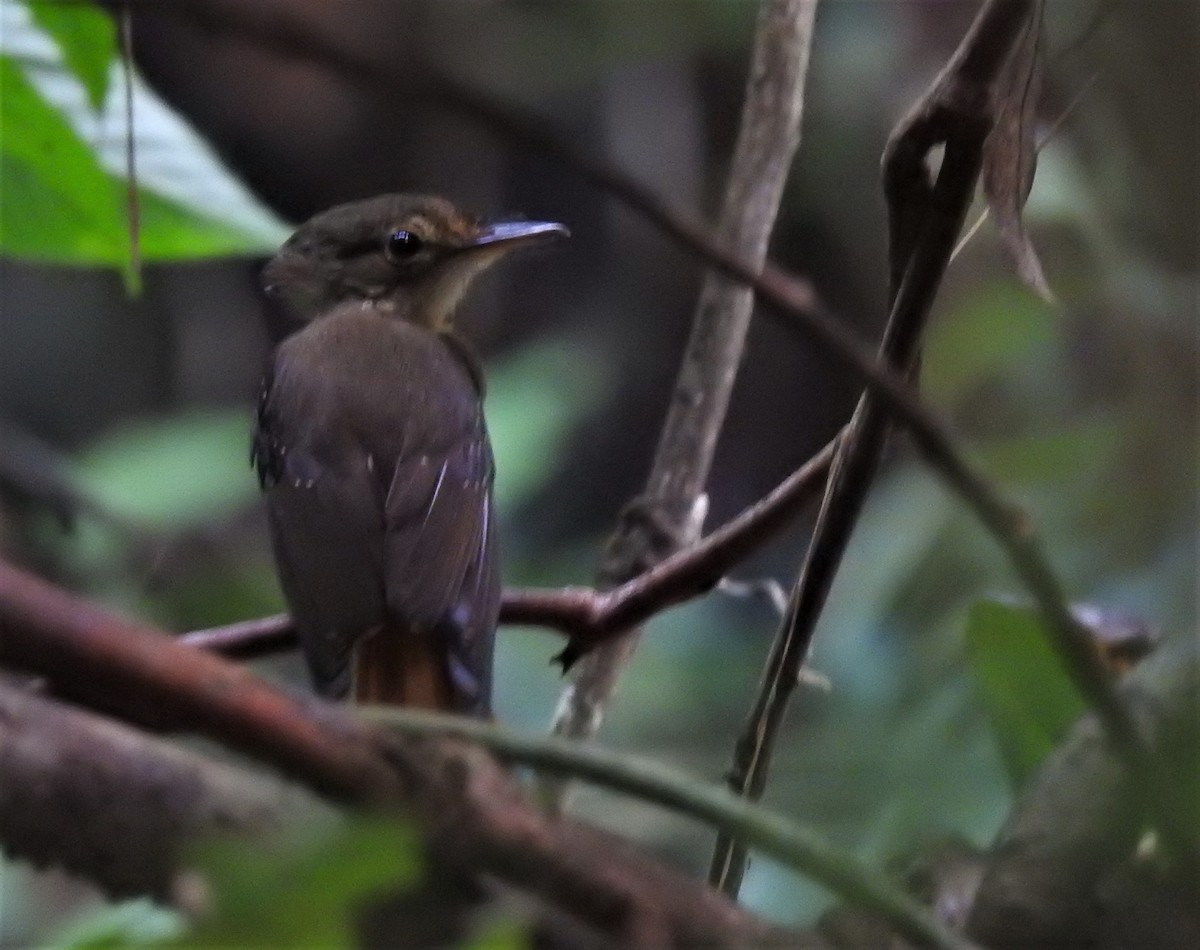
pixel 1024 687
pixel 132 923
pixel 177 472
pixel 303 888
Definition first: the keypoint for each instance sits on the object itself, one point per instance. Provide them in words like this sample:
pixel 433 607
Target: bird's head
pixel 409 256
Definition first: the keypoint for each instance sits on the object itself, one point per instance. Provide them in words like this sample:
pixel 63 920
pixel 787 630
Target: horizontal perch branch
pixel 586 615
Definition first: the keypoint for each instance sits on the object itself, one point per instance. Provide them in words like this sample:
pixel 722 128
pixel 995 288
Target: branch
pixel 925 221
pixel 663 519
pixel 117 806
pixel 591 617
pixel 921 216
pixel 588 616
pixel 476 818
pixel 775 835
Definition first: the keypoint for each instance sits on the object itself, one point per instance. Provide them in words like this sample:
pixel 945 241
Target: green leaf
pixel 1073 455
pixel 990 336
pixel 501 935
pixel 302 890
pixel 174 472
pixel 56 202
pixel 1026 691
pixel 63 166
pixel 87 38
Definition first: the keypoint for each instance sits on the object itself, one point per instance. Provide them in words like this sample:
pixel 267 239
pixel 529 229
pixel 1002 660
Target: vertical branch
pixel 924 216
pixel 132 208
pixel 664 518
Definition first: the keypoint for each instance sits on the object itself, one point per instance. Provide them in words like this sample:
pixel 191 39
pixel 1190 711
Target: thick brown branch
pixel 136 672
pixel 115 805
pixel 477 819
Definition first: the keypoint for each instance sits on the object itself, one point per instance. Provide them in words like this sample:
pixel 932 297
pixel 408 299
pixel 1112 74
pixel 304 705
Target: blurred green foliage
pixel 57 200
pixel 299 889
pixel 302 892
pixel 131 923
pixel 1026 691
pixel 180 472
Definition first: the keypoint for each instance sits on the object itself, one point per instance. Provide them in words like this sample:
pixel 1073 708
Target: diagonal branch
pixel 925 220
pixel 921 215
pixel 106 801
pixel 777 836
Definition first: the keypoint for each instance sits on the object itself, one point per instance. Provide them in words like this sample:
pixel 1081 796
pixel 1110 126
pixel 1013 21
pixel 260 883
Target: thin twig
pixel 586 615
pixel 132 206
pixel 792 844
pixel 663 520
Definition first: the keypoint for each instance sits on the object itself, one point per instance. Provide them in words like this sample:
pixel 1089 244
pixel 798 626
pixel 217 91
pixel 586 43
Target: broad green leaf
pixel 304 890
pixel 170 231
pixel 1031 701
pixel 56 202
pixel 173 472
pixel 87 38
pixel 65 165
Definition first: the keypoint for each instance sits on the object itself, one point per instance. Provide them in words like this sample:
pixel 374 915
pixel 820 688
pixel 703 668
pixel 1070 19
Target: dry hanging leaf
pixel 1010 153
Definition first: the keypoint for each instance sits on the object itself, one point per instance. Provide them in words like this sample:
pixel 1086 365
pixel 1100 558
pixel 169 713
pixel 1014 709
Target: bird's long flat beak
pixel 519 232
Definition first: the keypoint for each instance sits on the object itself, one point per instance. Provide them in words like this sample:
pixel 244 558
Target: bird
pixel 372 451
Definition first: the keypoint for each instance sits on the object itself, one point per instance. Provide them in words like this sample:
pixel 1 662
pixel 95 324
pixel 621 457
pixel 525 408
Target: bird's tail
pixel 400 667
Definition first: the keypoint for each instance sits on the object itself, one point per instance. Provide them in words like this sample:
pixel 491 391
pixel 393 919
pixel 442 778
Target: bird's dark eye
pixel 402 245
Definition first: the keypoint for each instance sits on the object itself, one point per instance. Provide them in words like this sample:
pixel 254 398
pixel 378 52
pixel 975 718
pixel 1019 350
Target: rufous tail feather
pixel 397 667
